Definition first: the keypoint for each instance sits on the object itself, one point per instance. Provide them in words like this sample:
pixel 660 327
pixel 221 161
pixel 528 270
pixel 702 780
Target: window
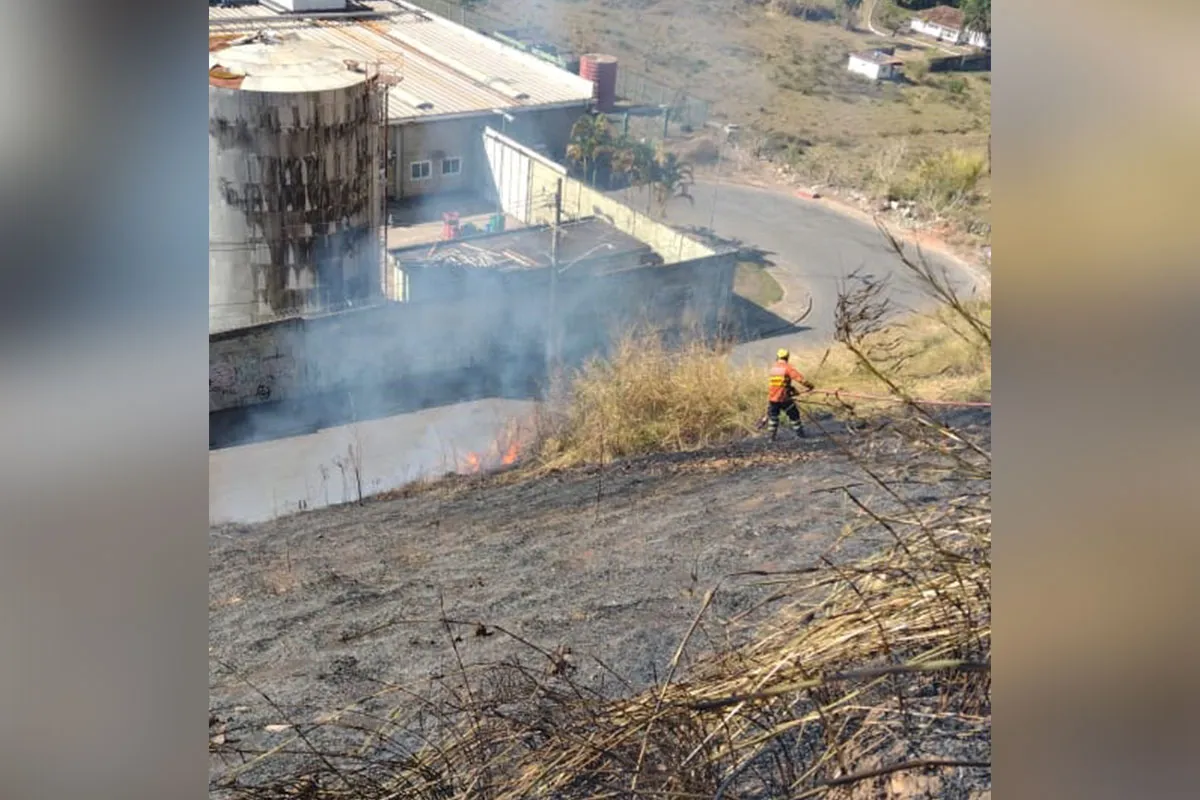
pixel 451 166
pixel 420 170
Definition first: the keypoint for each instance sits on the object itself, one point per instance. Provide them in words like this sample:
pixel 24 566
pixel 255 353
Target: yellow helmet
pixel 782 354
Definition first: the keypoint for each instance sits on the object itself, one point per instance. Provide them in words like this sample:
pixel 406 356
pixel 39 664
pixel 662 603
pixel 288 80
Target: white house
pixel 946 24
pixel 878 65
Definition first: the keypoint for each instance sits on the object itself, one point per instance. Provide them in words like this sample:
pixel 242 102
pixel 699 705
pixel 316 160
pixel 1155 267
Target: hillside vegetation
pixel 778 68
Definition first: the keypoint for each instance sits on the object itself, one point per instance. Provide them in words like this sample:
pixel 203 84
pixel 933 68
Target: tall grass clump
pixel 943 181
pixel 647 397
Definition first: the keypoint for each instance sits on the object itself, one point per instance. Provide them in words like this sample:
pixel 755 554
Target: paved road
pixel 813 249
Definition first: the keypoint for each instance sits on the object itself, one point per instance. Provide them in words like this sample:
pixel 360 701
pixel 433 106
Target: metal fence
pixel 686 111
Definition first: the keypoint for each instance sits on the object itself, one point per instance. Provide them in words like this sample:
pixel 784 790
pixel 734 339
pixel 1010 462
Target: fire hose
pixel 840 395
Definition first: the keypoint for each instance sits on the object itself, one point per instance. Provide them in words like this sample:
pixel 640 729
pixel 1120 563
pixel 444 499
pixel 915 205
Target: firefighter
pixel 781 396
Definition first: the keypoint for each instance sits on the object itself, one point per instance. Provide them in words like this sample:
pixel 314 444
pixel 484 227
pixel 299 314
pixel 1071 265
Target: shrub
pixel 649 398
pixel 956 85
pixel 917 69
pixel 941 181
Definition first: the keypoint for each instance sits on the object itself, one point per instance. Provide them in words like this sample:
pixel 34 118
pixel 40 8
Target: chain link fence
pixel 686 112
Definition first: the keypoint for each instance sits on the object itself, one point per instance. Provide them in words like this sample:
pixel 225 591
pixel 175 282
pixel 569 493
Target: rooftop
pixel 946 16
pixel 444 69
pixel 268 65
pixel 881 57
pixel 590 239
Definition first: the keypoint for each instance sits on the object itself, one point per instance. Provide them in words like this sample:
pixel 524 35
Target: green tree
pixel 673 179
pixel 850 12
pixel 892 18
pixel 977 15
pixel 592 140
pixel 645 168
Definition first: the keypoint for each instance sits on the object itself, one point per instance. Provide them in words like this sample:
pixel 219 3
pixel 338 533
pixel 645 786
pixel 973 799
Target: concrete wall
pixel 580 201
pixel 495 333
pixel 436 140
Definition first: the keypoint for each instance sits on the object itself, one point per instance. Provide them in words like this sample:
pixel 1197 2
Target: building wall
pixel 495 333
pixel 977 39
pixel 433 142
pixel 540 178
pixel 292 233
pixel 864 68
pixel 936 31
pixel 436 140
pixel 951 35
pixel 580 201
pixel 549 128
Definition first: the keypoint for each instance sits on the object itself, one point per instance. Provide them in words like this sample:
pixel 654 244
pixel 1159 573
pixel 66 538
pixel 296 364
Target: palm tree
pixel 591 139
pixel 622 160
pixel 643 169
pixel 977 16
pixel 673 178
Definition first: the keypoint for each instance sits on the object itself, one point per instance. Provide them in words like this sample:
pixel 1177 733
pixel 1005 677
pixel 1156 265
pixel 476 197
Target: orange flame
pixel 504 451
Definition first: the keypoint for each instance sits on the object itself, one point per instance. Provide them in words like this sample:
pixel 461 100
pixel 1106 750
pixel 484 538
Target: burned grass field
pixel 707 616
pixel 390 622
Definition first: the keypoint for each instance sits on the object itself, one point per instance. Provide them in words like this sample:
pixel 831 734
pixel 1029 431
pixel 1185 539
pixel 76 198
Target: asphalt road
pixel 812 249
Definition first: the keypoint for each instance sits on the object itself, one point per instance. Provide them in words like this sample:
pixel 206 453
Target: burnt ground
pixel 315 609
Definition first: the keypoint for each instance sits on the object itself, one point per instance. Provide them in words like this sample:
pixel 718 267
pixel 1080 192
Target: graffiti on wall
pixel 244 377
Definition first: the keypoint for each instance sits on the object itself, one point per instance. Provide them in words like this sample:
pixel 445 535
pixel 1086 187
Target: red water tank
pixel 601 70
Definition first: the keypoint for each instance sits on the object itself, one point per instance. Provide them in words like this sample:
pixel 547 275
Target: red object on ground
pixel 449 225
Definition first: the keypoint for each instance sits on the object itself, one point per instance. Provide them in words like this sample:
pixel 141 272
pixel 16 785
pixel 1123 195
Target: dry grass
pixel 649 398
pixel 940 361
pixel 857 678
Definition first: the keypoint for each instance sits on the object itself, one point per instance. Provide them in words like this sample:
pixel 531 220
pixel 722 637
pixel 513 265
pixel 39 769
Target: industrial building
pixel 483 313
pixel 295 194
pixel 447 83
pixel 320 113
pixel 323 111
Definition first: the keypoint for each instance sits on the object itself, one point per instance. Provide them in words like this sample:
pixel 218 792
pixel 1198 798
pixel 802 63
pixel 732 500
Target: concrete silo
pixel 295 186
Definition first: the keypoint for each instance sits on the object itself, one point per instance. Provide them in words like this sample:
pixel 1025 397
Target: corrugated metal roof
pixel 445 69
pixel 286 66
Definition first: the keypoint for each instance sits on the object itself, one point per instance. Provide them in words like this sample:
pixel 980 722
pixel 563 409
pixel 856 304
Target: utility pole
pixel 729 131
pixel 712 217
pixel 552 322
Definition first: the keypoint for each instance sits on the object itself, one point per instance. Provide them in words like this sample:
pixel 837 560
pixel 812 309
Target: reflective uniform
pixel 781 397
